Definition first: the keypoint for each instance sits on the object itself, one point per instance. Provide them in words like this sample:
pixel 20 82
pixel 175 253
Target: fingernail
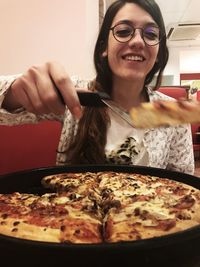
pixel 77 112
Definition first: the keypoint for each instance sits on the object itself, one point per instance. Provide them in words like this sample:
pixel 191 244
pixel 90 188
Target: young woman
pixel 130 50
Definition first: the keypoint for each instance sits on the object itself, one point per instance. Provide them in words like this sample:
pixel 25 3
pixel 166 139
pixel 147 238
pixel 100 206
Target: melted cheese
pixel 154 209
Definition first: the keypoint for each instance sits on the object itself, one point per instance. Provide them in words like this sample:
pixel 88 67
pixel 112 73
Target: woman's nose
pixel 137 39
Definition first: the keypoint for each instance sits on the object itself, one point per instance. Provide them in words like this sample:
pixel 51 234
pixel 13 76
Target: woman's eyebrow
pixel 151 24
pixel 129 22
pixel 126 21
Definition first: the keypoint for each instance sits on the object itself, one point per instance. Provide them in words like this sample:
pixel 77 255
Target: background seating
pixel 177 92
pixel 28 146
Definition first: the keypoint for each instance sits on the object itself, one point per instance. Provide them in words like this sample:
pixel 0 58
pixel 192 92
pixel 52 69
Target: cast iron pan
pixel 178 250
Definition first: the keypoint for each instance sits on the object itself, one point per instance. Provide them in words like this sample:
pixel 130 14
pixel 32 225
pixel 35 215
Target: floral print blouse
pixel 164 147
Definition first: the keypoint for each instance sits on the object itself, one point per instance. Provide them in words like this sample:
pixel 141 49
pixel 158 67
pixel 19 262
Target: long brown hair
pixel 89 143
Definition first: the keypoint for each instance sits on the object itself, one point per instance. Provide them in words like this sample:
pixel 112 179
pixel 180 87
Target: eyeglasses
pixel 124 32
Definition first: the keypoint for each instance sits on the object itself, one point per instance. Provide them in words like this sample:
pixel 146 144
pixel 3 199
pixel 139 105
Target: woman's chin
pixel 132 76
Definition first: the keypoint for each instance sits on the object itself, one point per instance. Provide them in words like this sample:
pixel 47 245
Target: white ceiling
pixel 180 11
pixel 176 12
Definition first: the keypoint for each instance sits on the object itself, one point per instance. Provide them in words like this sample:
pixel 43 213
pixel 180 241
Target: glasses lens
pixel 122 32
pixel 151 35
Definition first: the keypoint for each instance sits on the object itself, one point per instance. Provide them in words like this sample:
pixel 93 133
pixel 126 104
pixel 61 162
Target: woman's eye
pixel 123 32
pixel 151 34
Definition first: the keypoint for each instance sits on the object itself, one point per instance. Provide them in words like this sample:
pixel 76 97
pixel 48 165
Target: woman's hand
pixel 44 89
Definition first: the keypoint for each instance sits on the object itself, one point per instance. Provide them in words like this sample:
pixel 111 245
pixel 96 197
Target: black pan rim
pixel 93 167
pixel 193 180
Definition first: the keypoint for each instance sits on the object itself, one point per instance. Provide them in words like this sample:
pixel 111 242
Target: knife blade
pixel 98 100
pixel 102 99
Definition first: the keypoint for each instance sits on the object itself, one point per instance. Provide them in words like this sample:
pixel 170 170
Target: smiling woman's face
pixel 134 59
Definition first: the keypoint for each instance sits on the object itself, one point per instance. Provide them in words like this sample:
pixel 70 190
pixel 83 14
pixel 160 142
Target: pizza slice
pixel 80 183
pixel 50 218
pixel 165 113
pixel 158 207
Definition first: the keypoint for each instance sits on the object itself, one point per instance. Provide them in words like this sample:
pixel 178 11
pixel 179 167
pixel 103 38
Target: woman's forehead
pixel 133 13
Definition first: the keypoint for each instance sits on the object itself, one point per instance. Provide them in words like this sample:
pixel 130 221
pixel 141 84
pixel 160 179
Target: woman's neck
pixel 128 94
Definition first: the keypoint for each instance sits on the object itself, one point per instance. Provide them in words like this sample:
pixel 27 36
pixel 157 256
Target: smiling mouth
pixel 133 58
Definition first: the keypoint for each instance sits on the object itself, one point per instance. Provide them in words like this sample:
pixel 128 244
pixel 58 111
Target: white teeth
pixel 134 58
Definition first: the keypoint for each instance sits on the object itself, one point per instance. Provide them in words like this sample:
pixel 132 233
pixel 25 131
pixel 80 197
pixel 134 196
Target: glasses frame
pixel 133 33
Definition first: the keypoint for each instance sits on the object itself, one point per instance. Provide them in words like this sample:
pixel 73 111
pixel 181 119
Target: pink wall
pixel 36 31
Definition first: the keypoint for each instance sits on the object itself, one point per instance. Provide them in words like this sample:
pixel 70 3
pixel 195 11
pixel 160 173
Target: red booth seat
pixel 28 146
pixel 177 92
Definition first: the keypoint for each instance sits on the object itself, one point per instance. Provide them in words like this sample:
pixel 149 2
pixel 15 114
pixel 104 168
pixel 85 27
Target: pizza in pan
pixel 165 113
pixel 87 208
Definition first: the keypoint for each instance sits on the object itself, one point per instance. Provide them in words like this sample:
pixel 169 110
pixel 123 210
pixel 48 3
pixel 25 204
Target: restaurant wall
pixel 182 60
pixel 35 31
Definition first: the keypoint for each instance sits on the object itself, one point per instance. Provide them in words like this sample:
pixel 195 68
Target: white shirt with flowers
pixel 165 147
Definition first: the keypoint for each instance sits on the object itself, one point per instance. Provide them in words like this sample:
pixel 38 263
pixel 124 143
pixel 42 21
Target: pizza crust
pixel 121 225
pixel 127 231
pixel 72 228
pixel 28 231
